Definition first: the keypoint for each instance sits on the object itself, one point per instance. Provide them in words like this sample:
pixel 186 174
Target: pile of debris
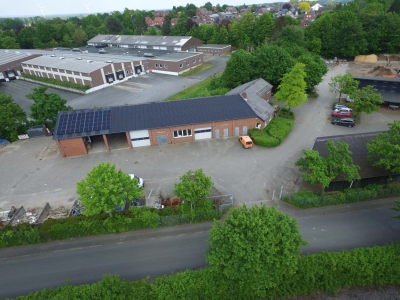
pixel 31 216
pixel 366 58
pixel 382 71
pixel 58 213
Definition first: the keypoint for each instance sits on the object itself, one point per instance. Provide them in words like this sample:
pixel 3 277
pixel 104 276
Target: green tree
pixel 263 29
pixel 351 35
pixel 384 149
pixel 140 23
pixel 9 43
pixel 180 28
pixel 254 249
pixel 113 25
pixel 397 208
pixel 367 100
pixel 238 69
pixel 79 38
pixel 194 187
pixel 166 26
pixel 45 33
pixel 25 37
pixel 46 106
pixel 343 84
pixel 292 89
pixel 105 187
pixel 150 31
pixel 322 170
pixel 208 6
pixel 304 7
pixel 91 31
pixel 291 35
pixel 315 69
pixel 271 63
pixel 11 117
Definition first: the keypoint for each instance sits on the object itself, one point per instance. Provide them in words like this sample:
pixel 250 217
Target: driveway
pixel 33 173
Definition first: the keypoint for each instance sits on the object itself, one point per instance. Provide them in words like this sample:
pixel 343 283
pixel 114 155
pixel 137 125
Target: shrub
pixel 287 114
pixel 66 84
pixel 261 138
pixel 309 199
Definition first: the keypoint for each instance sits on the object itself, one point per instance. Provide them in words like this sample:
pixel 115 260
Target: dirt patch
pixel 377 69
pixel 58 213
pixel 382 71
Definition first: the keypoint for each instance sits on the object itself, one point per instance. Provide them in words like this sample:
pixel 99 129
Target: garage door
pixel 140 138
pixel 202 133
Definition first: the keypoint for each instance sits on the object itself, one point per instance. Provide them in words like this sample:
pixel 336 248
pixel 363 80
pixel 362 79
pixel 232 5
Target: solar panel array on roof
pixel 84 121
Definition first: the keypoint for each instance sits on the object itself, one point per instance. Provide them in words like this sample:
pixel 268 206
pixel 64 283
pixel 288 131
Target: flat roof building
pixel 213 49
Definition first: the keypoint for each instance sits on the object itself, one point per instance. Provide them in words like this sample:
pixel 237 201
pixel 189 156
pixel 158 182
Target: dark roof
pixel 167 114
pixel 176 113
pixel 358 146
pixel 375 78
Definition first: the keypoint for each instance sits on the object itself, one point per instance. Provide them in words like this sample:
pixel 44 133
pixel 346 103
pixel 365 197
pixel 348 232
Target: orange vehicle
pixel 246 141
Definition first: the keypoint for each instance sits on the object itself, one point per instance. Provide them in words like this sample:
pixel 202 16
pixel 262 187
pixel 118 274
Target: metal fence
pixel 222 202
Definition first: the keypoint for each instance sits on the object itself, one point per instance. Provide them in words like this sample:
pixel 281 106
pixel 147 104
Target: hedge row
pixel 72 227
pixel 67 84
pixel 322 272
pixel 309 199
pixel 273 134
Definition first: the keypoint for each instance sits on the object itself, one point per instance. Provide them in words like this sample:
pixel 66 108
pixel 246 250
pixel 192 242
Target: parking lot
pixel 34 173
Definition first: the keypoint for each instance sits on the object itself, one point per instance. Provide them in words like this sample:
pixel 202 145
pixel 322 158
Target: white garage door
pixel 140 138
pixel 202 133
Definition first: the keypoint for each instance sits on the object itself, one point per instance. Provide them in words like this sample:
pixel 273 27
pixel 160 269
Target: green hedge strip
pixel 273 134
pixel 66 84
pixel 309 199
pixel 73 227
pixel 322 272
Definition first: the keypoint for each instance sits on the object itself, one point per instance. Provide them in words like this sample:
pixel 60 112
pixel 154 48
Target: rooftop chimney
pixel 244 95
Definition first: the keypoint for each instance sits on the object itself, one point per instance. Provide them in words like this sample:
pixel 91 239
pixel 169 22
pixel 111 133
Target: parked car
pixel 140 180
pixel 343 109
pixel 336 106
pixel 246 141
pixel 348 99
pixel 343 114
pixel 349 122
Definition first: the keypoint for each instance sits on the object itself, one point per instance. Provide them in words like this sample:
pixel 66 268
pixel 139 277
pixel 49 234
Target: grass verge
pixel 201 68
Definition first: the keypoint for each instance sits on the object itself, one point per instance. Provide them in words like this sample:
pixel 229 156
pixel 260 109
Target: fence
pixel 222 202
pixel 308 199
pixel 341 185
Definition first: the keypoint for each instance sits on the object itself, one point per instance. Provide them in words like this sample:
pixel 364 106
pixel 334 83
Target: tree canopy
pixel 384 149
pixel 292 89
pixel 11 117
pixel 343 84
pixel 238 69
pixel 106 187
pixel 255 247
pixel 322 170
pixel 46 106
pixel 194 187
pixel 367 99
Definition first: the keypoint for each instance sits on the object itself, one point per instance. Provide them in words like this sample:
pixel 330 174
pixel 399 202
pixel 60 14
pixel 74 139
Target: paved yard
pixel 20 88
pixel 34 173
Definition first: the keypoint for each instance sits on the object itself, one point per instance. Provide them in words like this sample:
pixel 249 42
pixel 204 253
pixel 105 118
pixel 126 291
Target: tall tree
pixel 11 117
pixel 322 170
pixel 271 63
pixel 208 6
pixel 263 29
pixel 384 149
pixel 367 100
pixel 315 69
pixel 106 187
pixel 292 89
pixel 194 187
pixel 254 249
pixel 304 7
pixel 113 25
pixel 9 43
pixel 140 23
pixel 46 106
pixel 79 38
pixel 343 84
pixel 25 37
pixel 180 28
pixel 238 69
pixel 291 35
pixel 166 26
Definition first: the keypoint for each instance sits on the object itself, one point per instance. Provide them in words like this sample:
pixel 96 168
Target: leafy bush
pixel 321 272
pixel 309 199
pixel 273 134
pixel 287 114
pixel 72 227
pixel 67 84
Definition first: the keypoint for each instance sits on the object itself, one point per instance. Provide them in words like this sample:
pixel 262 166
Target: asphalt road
pixel 135 255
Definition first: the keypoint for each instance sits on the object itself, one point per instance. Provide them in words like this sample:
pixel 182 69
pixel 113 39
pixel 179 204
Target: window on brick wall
pixel 182 133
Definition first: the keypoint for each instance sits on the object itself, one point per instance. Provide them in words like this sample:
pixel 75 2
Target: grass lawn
pixel 201 68
pixel 193 91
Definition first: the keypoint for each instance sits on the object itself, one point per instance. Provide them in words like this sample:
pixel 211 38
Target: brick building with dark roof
pixel 160 123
